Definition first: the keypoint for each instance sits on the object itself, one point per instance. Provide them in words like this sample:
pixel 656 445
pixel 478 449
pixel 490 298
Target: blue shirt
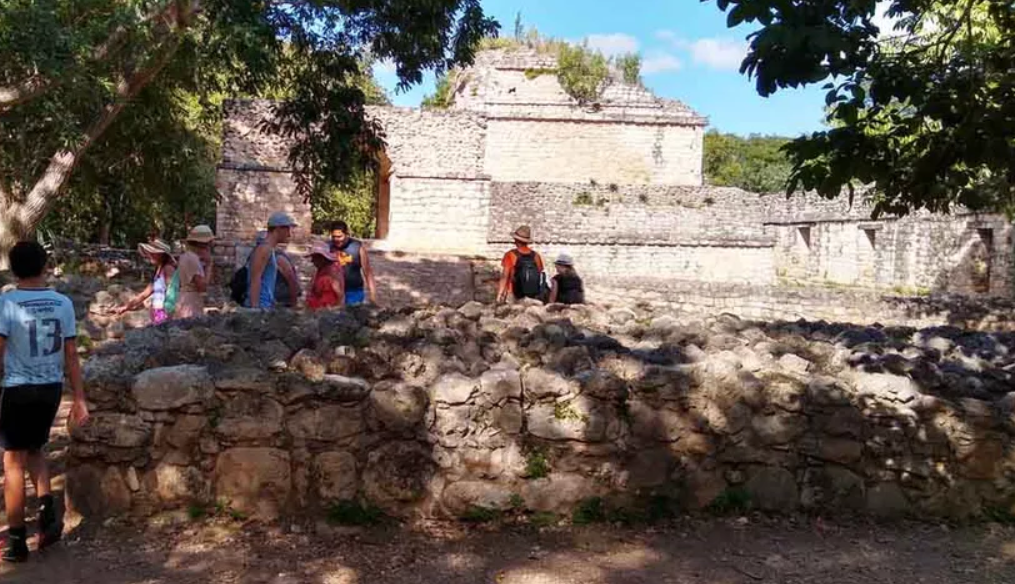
pixel 35 322
pixel 268 279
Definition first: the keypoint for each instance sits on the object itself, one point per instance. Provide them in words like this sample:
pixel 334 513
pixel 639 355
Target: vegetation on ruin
pixel 583 72
pixel 920 109
pixel 629 66
pixel 753 163
pixel 89 92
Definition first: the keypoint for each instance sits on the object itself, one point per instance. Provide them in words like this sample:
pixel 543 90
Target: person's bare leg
pixel 39 471
pixel 14 488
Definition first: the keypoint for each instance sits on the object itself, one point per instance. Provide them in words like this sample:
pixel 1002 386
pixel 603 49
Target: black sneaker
pixel 50 526
pixel 16 549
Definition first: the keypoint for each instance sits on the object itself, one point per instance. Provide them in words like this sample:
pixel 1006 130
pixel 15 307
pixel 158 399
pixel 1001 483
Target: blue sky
pixel 688 54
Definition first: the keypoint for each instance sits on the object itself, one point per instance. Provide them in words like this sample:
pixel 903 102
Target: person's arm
pixel 257 265
pixel 368 274
pixel 3 349
pixel 288 271
pixel 207 268
pixel 72 365
pixel 195 270
pixel 507 270
pixel 137 301
pixel 553 291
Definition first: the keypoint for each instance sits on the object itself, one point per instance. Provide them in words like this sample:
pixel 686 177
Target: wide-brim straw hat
pixel 156 247
pixel 324 251
pixel 523 234
pixel 201 234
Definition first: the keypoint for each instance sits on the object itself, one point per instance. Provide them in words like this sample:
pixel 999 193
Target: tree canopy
pixel 84 82
pixel 921 111
pixel 755 163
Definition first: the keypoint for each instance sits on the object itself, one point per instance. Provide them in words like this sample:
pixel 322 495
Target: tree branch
pixel 47 189
pixel 175 14
pixel 23 92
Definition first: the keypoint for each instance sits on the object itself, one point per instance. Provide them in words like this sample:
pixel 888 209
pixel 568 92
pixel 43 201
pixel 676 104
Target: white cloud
pixel 659 62
pixel 667 35
pixel 613 44
pixel 718 53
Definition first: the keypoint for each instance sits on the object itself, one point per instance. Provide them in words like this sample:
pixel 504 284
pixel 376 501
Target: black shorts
pixel 26 415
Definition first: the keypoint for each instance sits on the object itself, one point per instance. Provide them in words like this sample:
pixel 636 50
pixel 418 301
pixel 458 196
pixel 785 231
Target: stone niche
pixel 439 411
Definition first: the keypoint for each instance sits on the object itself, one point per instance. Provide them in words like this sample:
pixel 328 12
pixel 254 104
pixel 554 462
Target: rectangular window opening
pixel 804 236
pixel 872 236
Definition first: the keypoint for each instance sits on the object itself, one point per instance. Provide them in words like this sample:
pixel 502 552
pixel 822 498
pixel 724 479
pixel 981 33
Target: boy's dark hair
pixel 340 226
pixel 28 259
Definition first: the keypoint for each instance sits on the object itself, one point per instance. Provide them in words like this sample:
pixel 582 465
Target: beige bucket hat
pixel 523 234
pixel 201 234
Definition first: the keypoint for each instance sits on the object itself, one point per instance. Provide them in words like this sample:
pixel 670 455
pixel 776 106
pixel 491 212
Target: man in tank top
pixel 355 262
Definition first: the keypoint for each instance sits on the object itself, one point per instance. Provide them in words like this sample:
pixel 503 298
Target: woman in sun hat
pixel 196 272
pixel 160 255
pixel 328 288
pixel 567 287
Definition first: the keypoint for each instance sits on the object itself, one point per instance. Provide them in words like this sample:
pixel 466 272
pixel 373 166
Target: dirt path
pixel 176 550
pixel 713 551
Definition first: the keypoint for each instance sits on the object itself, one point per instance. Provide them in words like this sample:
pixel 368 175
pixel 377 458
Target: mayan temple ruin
pixel 619 186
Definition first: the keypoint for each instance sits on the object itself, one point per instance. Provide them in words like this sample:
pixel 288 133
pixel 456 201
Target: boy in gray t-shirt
pixel 37 348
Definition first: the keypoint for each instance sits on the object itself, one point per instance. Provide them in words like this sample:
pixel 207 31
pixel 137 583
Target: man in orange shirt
pixel 522 274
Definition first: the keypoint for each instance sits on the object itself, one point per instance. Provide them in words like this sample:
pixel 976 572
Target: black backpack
pixel 238 285
pixel 529 279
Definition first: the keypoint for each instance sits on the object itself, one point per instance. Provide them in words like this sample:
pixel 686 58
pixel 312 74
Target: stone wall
pixel 822 242
pixel 524 149
pixel 610 213
pixel 438 214
pixel 432 143
pixel 248 197
pixel 444 412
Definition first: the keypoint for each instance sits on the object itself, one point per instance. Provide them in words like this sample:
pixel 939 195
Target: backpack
pixel 172 294
pixel 238 285
pixel 529 280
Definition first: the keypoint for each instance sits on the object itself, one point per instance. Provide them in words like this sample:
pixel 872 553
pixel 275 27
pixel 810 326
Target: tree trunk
pixel 12 230
pixel 18 219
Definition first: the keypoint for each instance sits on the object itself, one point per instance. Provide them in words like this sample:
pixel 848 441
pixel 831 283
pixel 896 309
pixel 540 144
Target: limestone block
pixel 168 388
pixel 114 430
pixel 773 489
pixel 399 407
pixel 249 416
pixel 326 423
pixel 337 479
pixel 559 492
pixel 453 389
pixel 398 473
pixel 460 497
pixel 254 480
pixel 500 384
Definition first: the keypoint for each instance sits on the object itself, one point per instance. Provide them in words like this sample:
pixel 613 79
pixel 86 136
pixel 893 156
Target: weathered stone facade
pixel 619 187
pixel 443 412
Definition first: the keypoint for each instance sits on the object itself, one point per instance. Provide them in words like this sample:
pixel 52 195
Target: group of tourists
pixel 523 275
pixel 268 279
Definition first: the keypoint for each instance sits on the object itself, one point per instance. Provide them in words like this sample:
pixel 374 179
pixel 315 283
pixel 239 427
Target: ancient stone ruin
pixel 442 412
pixel 618 185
